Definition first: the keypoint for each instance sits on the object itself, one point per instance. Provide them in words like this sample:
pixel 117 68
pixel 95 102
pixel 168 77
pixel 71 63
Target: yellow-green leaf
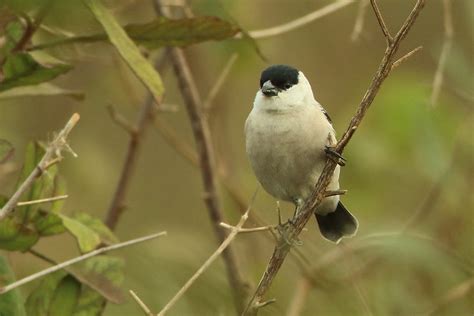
pixel 65 297
pixel 89 232
pixel 127 49
pixel 15 236
pixel 87 239
pixel 48 223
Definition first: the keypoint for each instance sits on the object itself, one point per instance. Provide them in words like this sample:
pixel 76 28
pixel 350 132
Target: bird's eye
pixel 287 86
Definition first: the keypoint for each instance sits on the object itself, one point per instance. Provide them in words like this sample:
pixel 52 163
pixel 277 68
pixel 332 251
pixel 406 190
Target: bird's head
pixel 284 86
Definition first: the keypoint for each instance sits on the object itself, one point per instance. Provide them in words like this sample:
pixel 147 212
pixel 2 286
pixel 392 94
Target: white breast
pixel 286 150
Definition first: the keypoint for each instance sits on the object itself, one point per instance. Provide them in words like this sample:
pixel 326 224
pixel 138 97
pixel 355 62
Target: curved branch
pixel 299 22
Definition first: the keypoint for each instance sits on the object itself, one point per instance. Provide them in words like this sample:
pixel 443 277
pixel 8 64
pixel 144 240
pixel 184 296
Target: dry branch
pixel 41 201
pixel 136 132
pixel 69 262
pixel 203 140
pixel 292 231
pixel 299 22
pixel 51 156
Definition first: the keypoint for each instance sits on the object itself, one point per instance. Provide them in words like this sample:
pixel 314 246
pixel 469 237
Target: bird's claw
pixel 335 156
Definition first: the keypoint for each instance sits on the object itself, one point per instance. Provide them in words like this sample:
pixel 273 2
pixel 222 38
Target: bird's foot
pixel 284 231
pixel 335 156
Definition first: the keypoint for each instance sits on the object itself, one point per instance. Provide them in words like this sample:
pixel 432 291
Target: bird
pixel 288 136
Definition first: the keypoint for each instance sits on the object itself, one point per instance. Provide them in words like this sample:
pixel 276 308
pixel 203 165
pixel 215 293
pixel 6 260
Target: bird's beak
pixel 269 90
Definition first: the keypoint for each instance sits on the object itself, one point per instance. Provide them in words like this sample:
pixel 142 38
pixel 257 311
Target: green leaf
pixel 89 232
pixel 53 289
pixel 127 49
pixel 42 187
pixel 39 300
pixel 65 297
pixel 41 90
pixel 168 32
pixel 15 236
pixel 6 150
pixel 86 238
pixel 47 224
pixel 10 303
pixel 59 189
pixel 95 224
pixel 21 69
pixel 103 274
pixel 12 32
pixel 164 32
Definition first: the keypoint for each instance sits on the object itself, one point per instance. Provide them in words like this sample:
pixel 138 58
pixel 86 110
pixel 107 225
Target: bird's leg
pixel 282 228
pixel 335 156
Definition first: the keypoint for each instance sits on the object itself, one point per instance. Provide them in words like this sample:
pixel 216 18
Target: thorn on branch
pixel 405 57
pixel 334 192
pixel 265 303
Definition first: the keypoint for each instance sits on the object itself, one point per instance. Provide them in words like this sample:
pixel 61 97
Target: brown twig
pixel 382 24
pixel 69 262
pixel 445 50
pixel 136 132
pixel 52 154
pixel 402 59
pixel 427 205
pixel 292 231
pixel 32 26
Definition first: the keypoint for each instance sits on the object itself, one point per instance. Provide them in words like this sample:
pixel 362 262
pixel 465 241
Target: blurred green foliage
pixel 409 163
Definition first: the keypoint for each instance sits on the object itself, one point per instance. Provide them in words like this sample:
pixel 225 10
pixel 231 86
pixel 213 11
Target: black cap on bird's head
pixel 278 78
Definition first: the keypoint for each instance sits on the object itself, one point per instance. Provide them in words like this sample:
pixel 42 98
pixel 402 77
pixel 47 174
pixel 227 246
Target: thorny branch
pixel 51 156
pixel 293 230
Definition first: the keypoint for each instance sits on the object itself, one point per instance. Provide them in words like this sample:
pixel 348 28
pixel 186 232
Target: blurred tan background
pixel 406 156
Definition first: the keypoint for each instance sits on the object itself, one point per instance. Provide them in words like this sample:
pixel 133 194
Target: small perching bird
pixel 288 135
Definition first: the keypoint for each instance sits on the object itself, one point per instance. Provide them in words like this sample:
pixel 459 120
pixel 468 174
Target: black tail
pixel 338 224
